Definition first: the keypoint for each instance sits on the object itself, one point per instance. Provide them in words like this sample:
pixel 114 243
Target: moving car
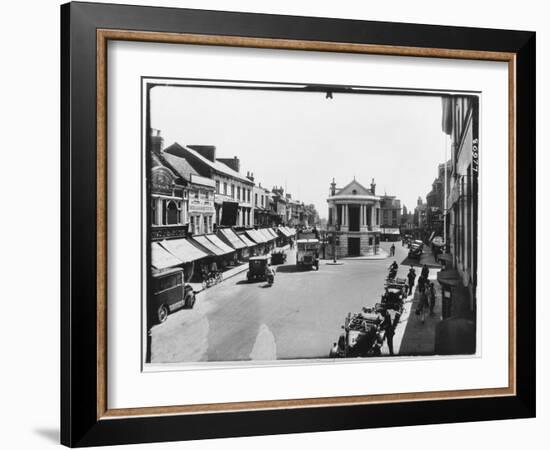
pixel 307 253
pixel 256 268
pixel 170 292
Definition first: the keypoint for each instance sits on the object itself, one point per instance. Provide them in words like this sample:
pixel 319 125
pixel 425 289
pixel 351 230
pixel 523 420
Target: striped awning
pixel 162 258
pixel 256 236
pixel 208 245
pixel 183 250
pixel 272 233
pixel 232 238
pixel 247 241
pixel 285 232
pixel 219 243
pixel 267 236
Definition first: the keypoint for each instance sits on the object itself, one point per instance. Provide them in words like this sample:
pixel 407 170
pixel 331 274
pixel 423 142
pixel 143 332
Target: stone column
pixel 347 215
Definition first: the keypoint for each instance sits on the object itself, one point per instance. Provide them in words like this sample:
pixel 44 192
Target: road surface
pixel 300 316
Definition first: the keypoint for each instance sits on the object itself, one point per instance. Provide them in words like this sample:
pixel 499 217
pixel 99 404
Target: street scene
pixel 240 271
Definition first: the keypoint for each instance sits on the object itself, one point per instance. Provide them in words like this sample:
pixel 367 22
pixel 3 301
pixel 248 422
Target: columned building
pixel 354 220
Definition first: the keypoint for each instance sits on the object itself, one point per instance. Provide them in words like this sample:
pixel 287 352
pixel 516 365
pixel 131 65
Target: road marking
pixel 264 348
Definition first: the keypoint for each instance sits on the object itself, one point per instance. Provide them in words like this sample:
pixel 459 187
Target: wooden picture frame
pixel 85 417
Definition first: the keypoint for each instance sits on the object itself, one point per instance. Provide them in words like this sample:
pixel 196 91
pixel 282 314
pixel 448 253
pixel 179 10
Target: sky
pixel 302 141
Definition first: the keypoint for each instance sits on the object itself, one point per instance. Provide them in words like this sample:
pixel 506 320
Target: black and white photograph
pixel 289 222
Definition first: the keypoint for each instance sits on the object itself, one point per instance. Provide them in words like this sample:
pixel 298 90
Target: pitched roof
pixel 181 165
pixel 179 150
pixel 354 185
pixel 160 161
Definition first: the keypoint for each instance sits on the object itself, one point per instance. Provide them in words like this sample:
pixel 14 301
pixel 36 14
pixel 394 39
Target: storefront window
pixel 154 212
pixel 171 213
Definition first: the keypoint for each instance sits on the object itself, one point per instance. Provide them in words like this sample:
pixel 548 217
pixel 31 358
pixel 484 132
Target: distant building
pixel 390 210
pixel 354 218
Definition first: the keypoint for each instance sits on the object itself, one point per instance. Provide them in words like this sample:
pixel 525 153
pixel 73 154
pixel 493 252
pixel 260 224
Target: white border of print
pixel 129 387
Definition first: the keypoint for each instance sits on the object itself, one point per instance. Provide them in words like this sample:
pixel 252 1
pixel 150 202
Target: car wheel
pixel 162 313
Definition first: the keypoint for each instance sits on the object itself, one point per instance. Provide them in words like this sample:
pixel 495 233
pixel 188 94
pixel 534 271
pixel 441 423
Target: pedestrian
pixel 392 250
pixel 425 271
pixel 389 328
pixel 421 283
pixel 422 305
pixel 431 295
pixel 411 277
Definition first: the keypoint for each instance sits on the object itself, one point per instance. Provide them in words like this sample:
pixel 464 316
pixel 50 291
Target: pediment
pixel 354 188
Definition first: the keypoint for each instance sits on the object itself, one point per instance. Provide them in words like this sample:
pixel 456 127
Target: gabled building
pixel 354 219
pixel 233 191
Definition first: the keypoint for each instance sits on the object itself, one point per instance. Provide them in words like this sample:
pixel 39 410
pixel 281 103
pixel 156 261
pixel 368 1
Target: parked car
pixel 416 249
pixel 170 292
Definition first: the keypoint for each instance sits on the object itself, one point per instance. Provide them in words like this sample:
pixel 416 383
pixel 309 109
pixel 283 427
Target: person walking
pixel 425 271
pixel 423 305
pixel 389 328
pixel 421 283
pixel 431 295
pixel 392 250
pixel 411 277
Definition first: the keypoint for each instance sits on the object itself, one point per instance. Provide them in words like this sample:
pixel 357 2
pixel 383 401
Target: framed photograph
pixel 277 224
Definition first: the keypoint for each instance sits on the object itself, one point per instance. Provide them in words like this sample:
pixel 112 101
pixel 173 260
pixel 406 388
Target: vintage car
pixel 307 253
pixel 416 249
pixel 278 257
pixel 170 292
pixel 363 335
pixel 256 268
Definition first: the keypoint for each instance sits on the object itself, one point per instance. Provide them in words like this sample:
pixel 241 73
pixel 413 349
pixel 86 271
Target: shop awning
pixel 284 232
pixel 246 241
pixel 267 236
pixel 232 238
pixel 208 245
pixel 162 258
pixel 183 249
pixel 292 231
pixel 272 233
pixel 219 243
pixel 255 236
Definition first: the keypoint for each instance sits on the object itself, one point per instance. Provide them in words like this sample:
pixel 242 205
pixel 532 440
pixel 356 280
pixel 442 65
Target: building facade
pixel 460 122
pixel 353 220
pixel 390 210
pixel 233 191
pixel 169 201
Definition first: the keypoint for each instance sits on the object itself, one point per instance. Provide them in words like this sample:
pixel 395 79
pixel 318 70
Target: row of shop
pixel 217 251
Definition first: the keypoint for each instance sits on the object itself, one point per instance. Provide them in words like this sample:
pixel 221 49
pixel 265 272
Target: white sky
pixel 303 140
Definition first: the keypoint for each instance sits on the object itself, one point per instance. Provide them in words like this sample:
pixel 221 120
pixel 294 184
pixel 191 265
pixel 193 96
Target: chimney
pixel 157 142
pixel 250 176
pixel 333 188
pixel 233 163
pixel 206 151
pixel 373 187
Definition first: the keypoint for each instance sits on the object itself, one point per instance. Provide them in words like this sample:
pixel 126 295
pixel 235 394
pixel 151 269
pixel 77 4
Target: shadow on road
pixel 426 258
pixel 292 269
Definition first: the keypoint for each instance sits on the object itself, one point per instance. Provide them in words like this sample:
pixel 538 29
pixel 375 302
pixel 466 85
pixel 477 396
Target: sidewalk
pixel 230 273
pixel 418 338
pixel 426 258
pixel 197 287
pixel 382 254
